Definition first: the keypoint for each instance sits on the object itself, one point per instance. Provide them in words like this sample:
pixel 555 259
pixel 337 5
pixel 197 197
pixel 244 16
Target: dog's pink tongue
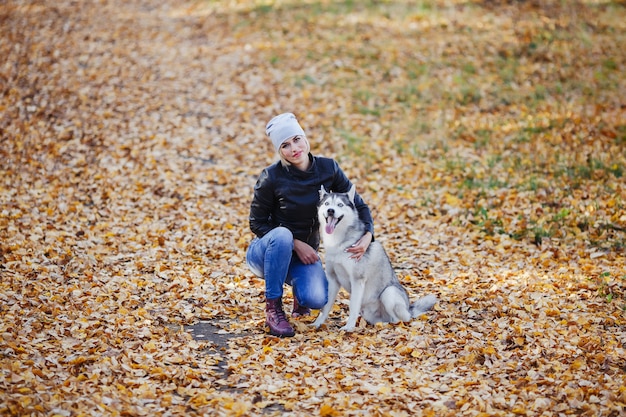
pixel 331 222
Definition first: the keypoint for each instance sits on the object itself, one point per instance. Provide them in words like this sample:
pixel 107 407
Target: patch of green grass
pixel 540 233
pixel 363 95
pixel 306 79
pixel 508 68
pixel 610 64
pixel 334 7
pixel 356 144
pixel 491 183
pixel 526 134
pixel 408 94
pixel 468 68
pixel 541 92
pixel 605 80
pixel 488 225
pixel 263 9
pixel 561 215
pixel 399 146
pixel 493 161
pixel 610 288
pixel 536 232
pixel 455 165
pixel 459 132
pixel 364 103
pixel 415 71
pixel 368 110
pixel 426 6
pixel 522 137
pixel 483 137
pixel 533 184
pixel 471 184
pixel 594 167
pixel 617 170
pixel 468 94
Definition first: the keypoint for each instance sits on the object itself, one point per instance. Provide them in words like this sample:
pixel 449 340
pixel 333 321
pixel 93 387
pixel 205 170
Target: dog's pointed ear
pixel 322 192
pixel 351 193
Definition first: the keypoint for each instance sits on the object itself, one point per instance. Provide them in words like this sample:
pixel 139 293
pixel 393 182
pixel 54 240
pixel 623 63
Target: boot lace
pixel 280 315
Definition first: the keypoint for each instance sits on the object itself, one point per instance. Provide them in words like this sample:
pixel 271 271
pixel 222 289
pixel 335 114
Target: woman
pixel 283 216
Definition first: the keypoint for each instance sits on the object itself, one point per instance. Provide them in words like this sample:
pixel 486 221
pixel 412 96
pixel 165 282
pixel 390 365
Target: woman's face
pixel 296 152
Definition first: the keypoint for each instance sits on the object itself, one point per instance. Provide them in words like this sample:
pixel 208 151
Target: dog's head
pixel 336 209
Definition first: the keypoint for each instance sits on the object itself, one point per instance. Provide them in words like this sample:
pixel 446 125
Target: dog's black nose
pixel 330 212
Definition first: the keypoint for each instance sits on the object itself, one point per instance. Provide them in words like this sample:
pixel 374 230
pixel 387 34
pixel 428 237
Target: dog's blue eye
pixel 340 205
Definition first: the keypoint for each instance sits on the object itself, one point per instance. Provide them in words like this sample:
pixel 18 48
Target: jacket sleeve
pixel 341 184
pixel 262 206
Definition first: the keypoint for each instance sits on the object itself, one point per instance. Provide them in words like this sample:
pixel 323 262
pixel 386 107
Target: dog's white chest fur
pixel 340 265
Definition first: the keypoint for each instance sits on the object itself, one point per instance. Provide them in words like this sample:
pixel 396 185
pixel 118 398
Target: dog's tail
pixel 423 305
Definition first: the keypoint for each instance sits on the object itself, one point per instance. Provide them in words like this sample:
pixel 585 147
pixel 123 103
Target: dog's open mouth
pixel 331 223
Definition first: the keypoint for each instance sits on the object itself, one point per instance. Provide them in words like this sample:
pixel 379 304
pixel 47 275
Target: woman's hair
pixel 284 161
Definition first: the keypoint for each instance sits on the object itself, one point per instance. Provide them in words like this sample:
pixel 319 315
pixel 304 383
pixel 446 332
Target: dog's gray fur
pixel 375 292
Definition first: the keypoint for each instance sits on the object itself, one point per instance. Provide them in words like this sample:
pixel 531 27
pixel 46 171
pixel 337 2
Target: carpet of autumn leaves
pixel 489 139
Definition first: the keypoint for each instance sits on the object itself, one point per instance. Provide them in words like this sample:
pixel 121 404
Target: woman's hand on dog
pixel 358 249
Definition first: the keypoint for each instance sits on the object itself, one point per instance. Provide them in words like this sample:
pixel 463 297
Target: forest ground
pixel 488 138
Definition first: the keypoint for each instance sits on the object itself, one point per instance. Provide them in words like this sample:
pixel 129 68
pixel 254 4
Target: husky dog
pixel 375 292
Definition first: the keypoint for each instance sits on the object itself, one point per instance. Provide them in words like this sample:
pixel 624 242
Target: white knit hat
pixel 283 127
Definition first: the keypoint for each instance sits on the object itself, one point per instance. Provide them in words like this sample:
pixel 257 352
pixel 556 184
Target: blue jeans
pixel 272 258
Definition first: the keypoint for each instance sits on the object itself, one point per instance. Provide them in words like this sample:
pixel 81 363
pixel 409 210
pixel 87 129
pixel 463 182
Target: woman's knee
pixel 313 294
pixel 315 301
pixel 282 236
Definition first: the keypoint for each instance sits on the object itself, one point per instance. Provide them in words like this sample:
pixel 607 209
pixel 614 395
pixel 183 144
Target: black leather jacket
pixel 286 196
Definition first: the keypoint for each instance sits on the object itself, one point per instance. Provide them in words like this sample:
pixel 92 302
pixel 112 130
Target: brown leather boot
pixel 298 310
pixel 276 319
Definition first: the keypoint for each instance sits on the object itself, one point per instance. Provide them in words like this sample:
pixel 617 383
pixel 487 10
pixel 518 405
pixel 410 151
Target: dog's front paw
pixel 317 323
pixel 347 328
